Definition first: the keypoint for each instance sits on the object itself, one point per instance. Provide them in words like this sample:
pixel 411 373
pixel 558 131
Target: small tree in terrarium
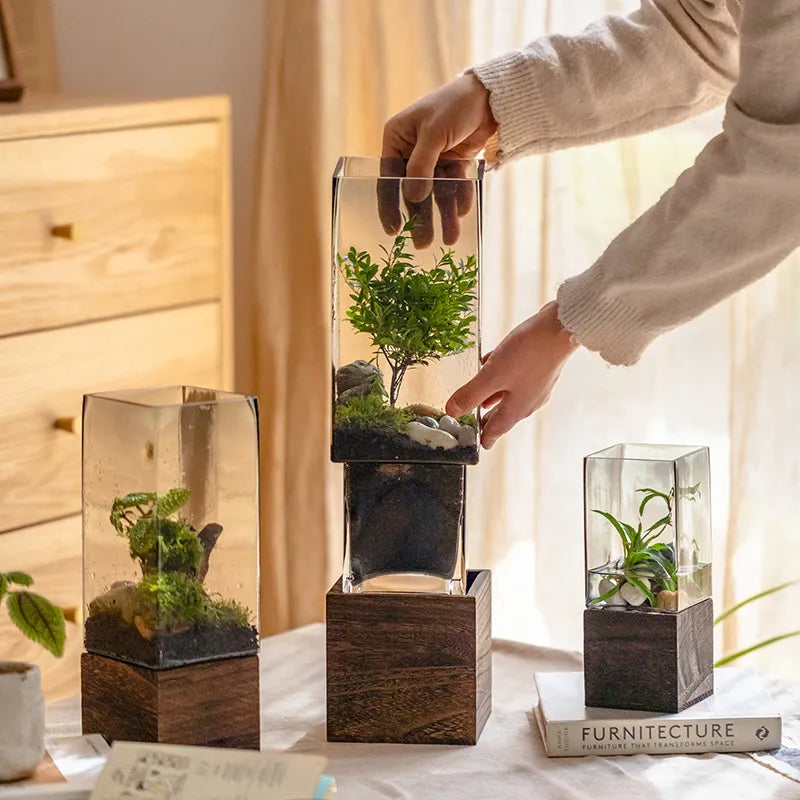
pixel 412 316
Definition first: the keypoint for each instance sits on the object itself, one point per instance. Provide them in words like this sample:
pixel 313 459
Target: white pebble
pixel 468 436
pixel 447 423
pixel 633 595
pixel 431 437
pixel 606 586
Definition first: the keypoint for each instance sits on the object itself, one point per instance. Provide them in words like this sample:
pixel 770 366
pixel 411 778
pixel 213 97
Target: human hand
pixel 454 122
pixel 518 375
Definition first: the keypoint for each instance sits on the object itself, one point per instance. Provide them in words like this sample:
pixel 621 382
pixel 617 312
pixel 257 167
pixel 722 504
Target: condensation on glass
pixel 170 525
pixel 647 527
pixel 406 261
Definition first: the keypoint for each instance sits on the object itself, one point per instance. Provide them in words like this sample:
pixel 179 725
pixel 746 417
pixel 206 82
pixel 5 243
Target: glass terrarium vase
pixel 405 294
pixel 648 527
pixel 170 525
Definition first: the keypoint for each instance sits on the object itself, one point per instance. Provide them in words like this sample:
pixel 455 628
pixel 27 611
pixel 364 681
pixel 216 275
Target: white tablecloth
pixel 508 762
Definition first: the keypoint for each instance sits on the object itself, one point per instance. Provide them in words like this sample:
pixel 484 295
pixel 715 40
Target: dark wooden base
pixel 407 667
pixel 215 704
pixel 648 661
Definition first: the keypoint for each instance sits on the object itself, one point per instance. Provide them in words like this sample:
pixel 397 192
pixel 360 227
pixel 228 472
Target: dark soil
pixel 109 635
pixel 359 444
pixel 404 518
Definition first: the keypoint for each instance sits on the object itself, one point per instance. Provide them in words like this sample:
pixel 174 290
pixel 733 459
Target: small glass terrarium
pixel 170 525
pixel 648 527
pixel 405 310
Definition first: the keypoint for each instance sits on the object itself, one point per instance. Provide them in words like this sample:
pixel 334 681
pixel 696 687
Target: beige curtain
pixel 334 72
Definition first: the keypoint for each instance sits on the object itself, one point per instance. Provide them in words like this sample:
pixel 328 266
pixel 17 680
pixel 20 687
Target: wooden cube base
pixel 215 703
pixel 648 661
pixel 409 667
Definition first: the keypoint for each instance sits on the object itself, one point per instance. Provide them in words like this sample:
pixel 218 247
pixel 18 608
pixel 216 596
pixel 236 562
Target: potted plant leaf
pixel 21 700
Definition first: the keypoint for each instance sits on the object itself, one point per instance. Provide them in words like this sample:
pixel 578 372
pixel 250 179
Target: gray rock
pixel 430 422
pixel 431 437
pixel 615 599
pixel 355 374
pixel 362 390
pixel 451 425
pixel 633 595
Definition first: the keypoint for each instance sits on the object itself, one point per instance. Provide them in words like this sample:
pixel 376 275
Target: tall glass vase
pixel 170 525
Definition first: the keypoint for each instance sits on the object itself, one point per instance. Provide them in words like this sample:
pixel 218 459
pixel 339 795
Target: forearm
pixel 623 75
pixel 726 222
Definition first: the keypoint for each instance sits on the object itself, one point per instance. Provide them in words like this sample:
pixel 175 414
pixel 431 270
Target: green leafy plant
pixel 772 640
pixel 40 620
pixel 643 556
pixel 413 316
pixel 173 557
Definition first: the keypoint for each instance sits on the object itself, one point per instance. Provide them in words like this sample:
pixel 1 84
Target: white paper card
pixel 138 771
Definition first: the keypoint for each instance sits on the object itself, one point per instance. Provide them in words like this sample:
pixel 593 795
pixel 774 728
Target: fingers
pixel 499 421
pixel 445 192
pixel 422 213
pixel 472 394
pixel 392 167
pixel 422 164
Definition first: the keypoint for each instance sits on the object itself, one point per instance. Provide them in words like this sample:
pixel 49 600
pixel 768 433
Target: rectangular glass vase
pixel 170 525
pixel 405 301
pixel 647 527
pixel 404 528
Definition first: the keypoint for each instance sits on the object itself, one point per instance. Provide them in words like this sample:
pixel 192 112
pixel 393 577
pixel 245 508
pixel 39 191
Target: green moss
pixel 173 600
pixel 468 419
pixel 371 412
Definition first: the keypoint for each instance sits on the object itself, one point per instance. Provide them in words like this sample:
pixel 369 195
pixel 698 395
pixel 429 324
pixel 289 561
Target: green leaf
pixel 616 523
pixel 662 523
pixel 606 595
pixel 22 578
pixel 38 619
pixel 754 597
pixel 639 585
pixel 3 585
pixel 739 653
pixel 168 503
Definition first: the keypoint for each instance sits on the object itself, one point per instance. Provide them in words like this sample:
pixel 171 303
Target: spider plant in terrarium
pixel 650 551
pixel 405 330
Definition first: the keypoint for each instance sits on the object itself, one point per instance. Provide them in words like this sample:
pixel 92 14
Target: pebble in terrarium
pixel 648 548
pixel 410 316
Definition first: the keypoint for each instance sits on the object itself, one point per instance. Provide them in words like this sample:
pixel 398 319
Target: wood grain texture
pixel 648 661
pixel 58 115
pixel 52 554
pixel 146 211
pixel 45 376
pixel 410 668
pixel 215 704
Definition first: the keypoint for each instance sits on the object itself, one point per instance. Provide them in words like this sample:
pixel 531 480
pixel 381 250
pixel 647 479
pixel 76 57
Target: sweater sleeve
pixel 621 76
pixel 727 221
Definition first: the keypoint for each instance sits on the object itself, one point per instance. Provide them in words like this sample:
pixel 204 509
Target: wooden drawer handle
pixel 67 231
pixel 69 424
pixel 73 614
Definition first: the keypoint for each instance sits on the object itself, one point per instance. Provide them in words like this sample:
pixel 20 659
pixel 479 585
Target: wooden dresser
pixel 114 272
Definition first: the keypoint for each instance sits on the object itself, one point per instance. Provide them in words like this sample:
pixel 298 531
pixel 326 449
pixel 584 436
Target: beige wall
pixel 134 48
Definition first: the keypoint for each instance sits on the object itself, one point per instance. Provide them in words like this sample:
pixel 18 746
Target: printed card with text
pixel 139 771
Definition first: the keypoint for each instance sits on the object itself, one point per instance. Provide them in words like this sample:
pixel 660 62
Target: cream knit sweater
pixel 730 218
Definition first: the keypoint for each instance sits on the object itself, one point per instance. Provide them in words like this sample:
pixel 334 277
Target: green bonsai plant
pixel 170 597
pixel 413 316
pixel 40 620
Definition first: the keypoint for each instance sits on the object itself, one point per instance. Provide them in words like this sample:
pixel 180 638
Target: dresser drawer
pixel 144 207
pixel 51 553
pixel 45 375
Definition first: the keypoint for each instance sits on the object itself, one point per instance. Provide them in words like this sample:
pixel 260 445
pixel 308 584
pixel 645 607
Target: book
pixel 739 717
pixel 68 771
